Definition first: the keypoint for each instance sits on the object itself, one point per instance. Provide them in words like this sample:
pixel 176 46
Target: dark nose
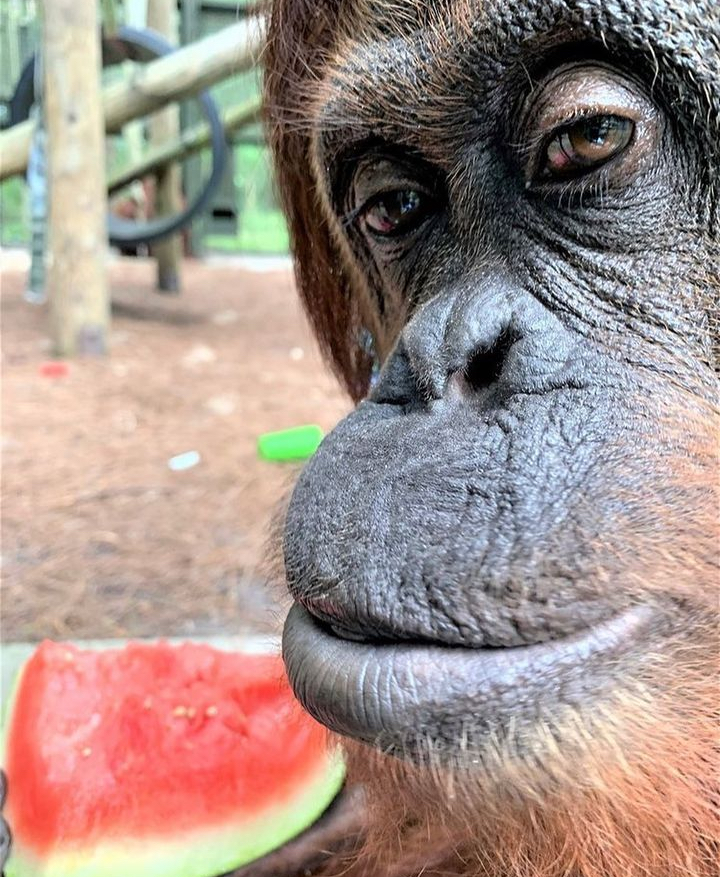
pixel 471 341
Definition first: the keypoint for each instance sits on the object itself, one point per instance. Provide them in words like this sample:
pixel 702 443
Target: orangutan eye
pixel 585 145
pixel 396 213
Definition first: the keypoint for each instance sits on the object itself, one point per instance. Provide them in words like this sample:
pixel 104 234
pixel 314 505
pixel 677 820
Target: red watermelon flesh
pixel 158 760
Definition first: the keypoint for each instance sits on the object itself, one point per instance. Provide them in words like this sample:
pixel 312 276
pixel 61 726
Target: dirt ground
pixel 99 537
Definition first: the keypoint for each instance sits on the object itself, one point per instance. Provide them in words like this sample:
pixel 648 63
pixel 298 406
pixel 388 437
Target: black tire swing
pixel 135 44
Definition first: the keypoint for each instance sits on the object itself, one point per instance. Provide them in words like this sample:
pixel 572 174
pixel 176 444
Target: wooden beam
pixel 77 236
pixel 164 125
pixel 179 75
pixel 191 140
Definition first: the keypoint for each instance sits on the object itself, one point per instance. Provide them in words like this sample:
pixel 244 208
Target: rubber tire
pixel 136 44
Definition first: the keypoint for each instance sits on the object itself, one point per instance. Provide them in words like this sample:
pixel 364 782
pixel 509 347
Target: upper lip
pixel 385 692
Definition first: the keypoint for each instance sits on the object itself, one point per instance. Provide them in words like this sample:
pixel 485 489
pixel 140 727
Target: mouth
pixel 399 696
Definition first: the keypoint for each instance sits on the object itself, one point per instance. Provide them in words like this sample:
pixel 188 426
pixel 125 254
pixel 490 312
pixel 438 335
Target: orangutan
pixel 505 219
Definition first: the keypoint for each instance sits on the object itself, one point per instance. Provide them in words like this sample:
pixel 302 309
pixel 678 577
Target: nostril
pixel 486 364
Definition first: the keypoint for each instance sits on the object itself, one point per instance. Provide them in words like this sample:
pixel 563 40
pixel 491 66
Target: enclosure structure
pixel 243 214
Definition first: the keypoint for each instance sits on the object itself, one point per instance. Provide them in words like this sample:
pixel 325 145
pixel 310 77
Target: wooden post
pixel 77 236
pixel 192 170
pixel 164 126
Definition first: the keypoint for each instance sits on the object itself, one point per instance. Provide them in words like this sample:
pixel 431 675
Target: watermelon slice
pixel 158 761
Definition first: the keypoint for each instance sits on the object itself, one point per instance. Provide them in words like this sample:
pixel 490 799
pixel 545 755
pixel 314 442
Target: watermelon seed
pixel 211 711
pixel 86 752
pixel 188 712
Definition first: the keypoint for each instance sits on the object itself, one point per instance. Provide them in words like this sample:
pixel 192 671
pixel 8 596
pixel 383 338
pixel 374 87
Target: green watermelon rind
pixel 207 852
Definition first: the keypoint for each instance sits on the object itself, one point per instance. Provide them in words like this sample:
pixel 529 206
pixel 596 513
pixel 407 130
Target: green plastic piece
pixel 296 443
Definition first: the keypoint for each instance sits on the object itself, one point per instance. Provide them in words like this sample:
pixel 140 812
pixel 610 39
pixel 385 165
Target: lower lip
pixel 390 695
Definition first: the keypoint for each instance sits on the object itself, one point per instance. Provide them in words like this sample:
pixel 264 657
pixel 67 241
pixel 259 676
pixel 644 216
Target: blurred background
pixel 150 328
pixel 242 215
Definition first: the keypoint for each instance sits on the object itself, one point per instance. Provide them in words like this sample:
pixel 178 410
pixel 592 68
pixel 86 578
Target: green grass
pixel 258 232
pixel 14 217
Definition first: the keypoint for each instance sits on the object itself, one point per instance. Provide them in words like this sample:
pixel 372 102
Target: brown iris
pixel 396 213
pixel 586 144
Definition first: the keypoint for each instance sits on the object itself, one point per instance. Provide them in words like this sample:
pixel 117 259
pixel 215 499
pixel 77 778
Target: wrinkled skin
pixel 498 549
